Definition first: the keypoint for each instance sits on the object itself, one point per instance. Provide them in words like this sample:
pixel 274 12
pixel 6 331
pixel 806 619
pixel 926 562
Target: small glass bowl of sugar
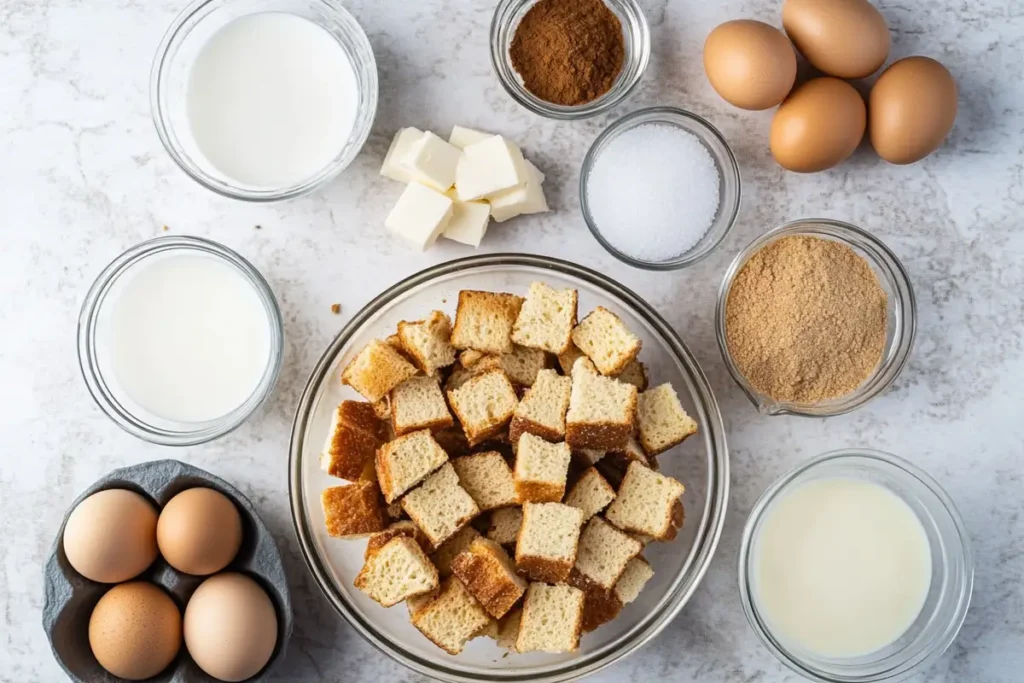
pixel 660 188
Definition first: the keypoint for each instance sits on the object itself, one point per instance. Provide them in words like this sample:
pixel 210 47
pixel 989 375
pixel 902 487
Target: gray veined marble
pixel 83 176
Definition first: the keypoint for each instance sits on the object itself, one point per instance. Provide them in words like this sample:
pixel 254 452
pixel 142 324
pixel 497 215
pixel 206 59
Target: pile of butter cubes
pixel 456 187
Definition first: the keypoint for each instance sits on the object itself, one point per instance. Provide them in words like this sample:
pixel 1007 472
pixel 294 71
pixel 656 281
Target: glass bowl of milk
pixel 180 340
pixel 856 567
pixel 264 100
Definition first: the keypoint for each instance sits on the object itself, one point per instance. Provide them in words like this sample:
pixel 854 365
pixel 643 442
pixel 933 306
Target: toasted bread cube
pixel 508 630
pixel 417 602
pixel 457 378
pixel 470 358
pixel 417 403
pixel 548 537
pixel 635 374
pixel 602 411
pixel 591 493
pixel 352 442
pixel 604 552
pixel 541 469
pixel 607 341
pixel 484 405
pixel 376 370
pixel 453 441
pixel 352 511
pixel 546 319
pixel 452 617
pixel 484 320
pixel 662 421
pixel 362 416
pixel 638 572
pixel 504 525
pixel 428 342
pixel 599 605
pixel 644 502
pixel 567 359
pixel 440 506
pixel 488 479
pixel 522 364
pixel 397 571
pixel 678 517
pixel 542 410
pixel 633 451
pixel 450 549
pixel 552 619
pixel 489 575
pixel 401 529
pixel 406 461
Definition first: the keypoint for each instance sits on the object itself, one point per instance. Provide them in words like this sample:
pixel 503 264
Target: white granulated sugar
pixel 653 192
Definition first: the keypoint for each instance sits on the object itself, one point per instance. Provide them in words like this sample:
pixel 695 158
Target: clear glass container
pixel 701 463
pixel 97 367
pixel 729 186
pixel 952 580
pixel 172 66
pixel 900 330
pixel 637 37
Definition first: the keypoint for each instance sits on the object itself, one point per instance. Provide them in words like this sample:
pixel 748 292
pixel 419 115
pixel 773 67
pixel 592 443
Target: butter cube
pixel 399 149
pixel 489 166
pixel 469 220
pixel 461 136
pixel 420 215
pixel 527 198
pixel 432 161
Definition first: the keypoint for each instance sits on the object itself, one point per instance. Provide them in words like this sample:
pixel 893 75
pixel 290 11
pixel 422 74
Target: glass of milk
pixel 180 340
pixel 264 100
pixel 856 566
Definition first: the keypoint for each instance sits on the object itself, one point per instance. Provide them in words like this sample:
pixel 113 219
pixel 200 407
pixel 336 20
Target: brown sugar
pixel 806 320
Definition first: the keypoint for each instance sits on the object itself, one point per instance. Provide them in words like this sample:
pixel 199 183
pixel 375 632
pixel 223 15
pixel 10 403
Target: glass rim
pixel 675 598
pixel 97 383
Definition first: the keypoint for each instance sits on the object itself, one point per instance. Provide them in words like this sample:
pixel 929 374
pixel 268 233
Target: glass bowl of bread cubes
pixel 508 467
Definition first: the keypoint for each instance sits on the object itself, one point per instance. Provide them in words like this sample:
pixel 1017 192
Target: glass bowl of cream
pixel 180 340
pixel 263 101
pixel 856 567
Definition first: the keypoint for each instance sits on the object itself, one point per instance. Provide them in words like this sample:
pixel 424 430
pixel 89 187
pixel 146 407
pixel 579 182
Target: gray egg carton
pixel 70 597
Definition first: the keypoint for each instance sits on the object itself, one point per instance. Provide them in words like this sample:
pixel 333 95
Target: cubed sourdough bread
pixel 440 506
pixel 352 442
pixel 504 526
pixel 606 340
pixel 599 605
pixel 450 549
pixel 638 572
pixel 521 365
pixel 376 370
pixel 540 469
pixel 488 479
pixel 401 529
pixel 484 405
pixel 484 320
pixel 546 319
pixel 428 342
pixel 406 461
pixel 397 571
pixel 353 511
pixel 490 576
pixel 548 538
pixel 508 629
pixel 604 552
pixel 417 403
pixel 542 410
pixel 661 419
pixel 602 411
pixel 635 374
pixel 644 502
pixel 568 358
pixel 552 619
pixel 590 494
pixel 452 617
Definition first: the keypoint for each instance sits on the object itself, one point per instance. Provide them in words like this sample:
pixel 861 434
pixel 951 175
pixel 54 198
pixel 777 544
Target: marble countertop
pixel 83 176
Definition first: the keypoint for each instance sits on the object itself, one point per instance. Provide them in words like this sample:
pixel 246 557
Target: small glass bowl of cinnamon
pixel 585 101
pixel 900 314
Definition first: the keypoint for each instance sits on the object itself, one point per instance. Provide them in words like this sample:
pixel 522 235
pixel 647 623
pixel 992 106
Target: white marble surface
pixel 83 176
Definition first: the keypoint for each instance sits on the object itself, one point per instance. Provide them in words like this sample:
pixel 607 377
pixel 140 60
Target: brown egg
pixel 750 64
pixel 844 38
pixel 111 536
pixel 911 109
pixel 818 126
pixel 135 630
pixel 199 531
pixel 230 627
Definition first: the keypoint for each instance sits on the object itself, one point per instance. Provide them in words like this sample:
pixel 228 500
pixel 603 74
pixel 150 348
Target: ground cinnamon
pixel 568 52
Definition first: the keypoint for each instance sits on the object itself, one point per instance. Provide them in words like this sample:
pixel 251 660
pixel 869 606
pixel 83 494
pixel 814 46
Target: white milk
pixel 272 99
pixel 189 337
pixel 842 567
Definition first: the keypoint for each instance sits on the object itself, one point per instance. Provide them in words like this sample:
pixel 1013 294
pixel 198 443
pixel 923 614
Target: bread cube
pixel 548 538
pixel 604 552
pixel 644 502
pixel 352 511
pixel 508 629
pixel 397 571
pixel 638 572
pixel 484 320
pixel 428 342
pixel 400 529
pixel 450 549
pixel 490 577
pixel 406 461
pixel 547 319
pixel 484 405
pixel 602 411
pixel 453 441
pixel 417 602
pixel 552 619
pixel 504 525
pixel 488 479
pixel 607 341
pixel 540 469
pixel 567 359
pixel 661 419
pixel 590 494
pixel 635 374
pixel 416 404
pixel 376 370
pixel 599 605
pixel 542 410
pixel 352 442
pixel 440 506
pixel 452 617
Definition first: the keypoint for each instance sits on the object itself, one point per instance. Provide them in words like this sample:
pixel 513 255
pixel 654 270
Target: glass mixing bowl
pixel 701 463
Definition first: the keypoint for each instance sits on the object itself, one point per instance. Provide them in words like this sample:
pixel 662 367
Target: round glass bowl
pixel 902 314
pixel 637 41
pixel 952 581
pixel 701 463
pixel 728 185
pixel 94 347
pixel 172 66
